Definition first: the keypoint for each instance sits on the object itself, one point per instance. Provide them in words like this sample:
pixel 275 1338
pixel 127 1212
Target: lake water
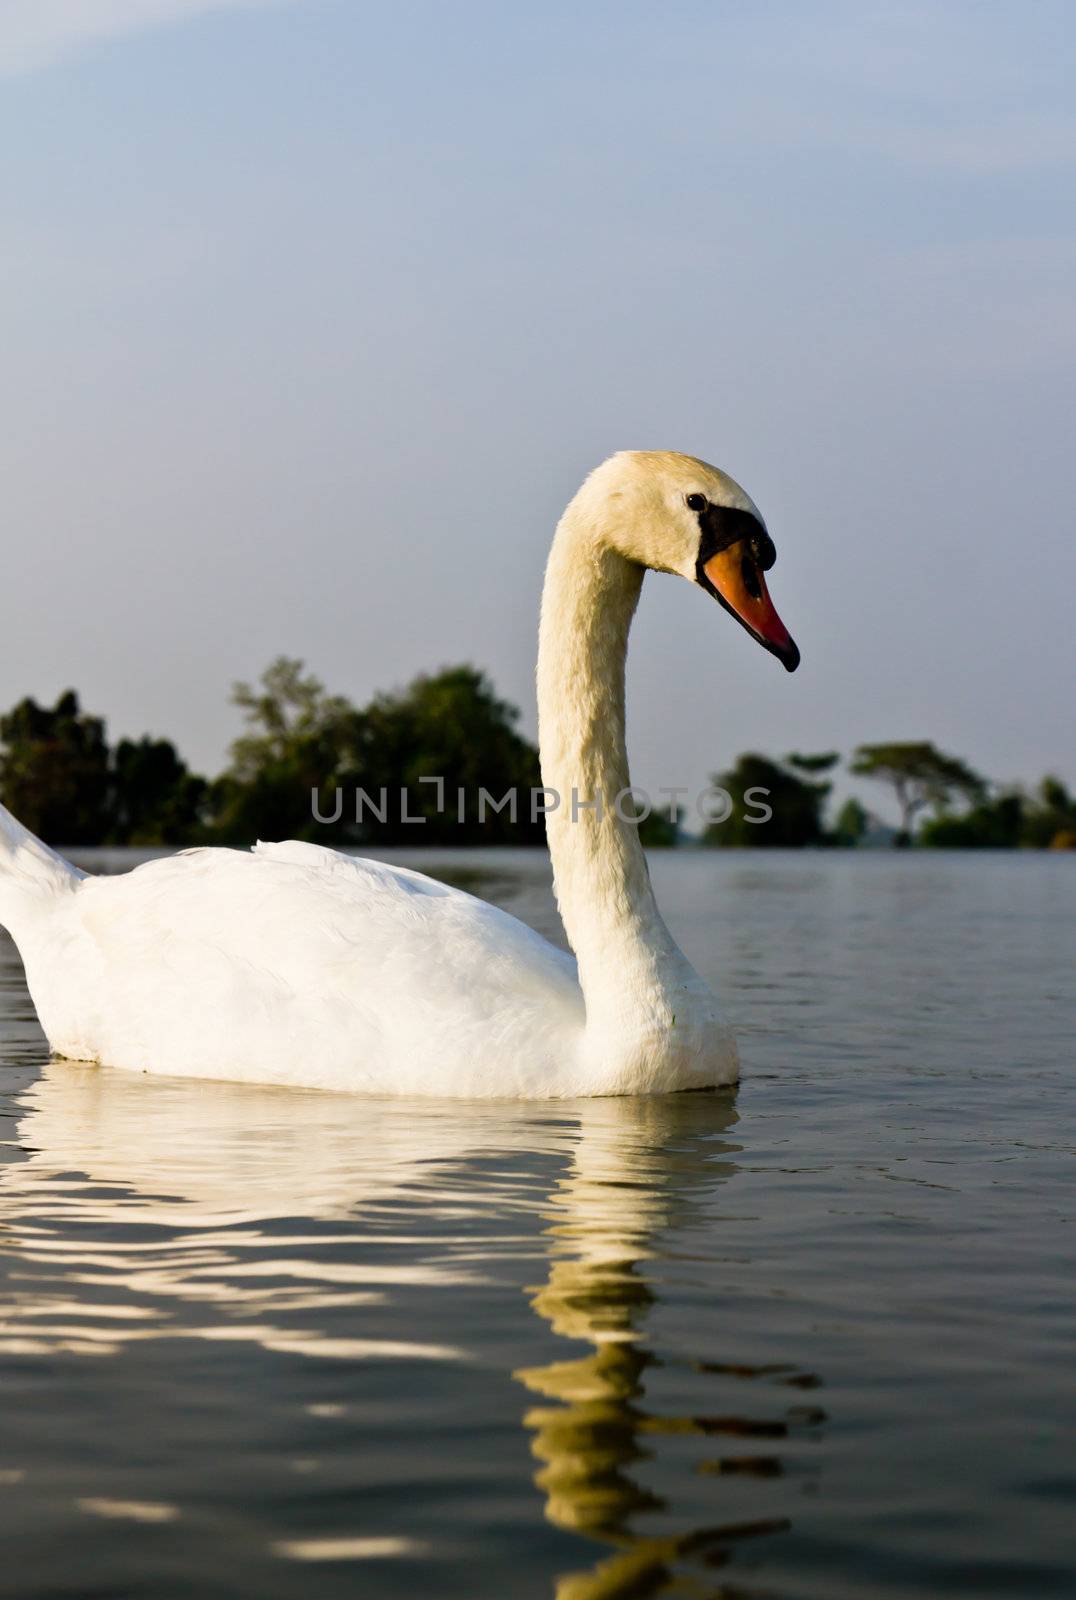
pixel 812 1339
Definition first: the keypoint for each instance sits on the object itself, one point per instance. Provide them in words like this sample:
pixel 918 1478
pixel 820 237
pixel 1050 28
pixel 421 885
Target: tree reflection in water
pixel 639 1167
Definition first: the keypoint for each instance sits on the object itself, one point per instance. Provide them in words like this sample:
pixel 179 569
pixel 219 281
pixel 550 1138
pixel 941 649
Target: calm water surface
pixel 813 1339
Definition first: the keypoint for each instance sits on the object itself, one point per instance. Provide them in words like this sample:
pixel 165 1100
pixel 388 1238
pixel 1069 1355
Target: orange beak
pixel 735 578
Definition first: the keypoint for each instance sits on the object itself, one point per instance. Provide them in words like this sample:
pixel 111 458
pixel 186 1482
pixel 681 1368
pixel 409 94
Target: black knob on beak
pixel 762 547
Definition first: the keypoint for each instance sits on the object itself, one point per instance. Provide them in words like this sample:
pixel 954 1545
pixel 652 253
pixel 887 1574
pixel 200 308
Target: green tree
pixel 920 775
pixel 660 830
pixel 824 761
pixel 453 727
pixel 851 824
pixel 298 739
pixel 449 726
pixel 1042 820
pixel 795 806
pixel 1050 817
pixel 997 823
pixel 54 770
pixel 154 798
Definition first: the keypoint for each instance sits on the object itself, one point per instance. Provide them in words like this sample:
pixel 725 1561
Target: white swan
pixel 295 964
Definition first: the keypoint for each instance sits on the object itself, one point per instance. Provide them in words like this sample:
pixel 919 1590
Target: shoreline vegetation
pixel 60 776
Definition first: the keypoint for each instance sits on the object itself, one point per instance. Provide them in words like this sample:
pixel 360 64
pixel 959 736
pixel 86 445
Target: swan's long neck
pixel 630 969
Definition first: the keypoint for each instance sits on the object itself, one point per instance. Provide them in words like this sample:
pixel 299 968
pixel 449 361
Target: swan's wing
pixel 295 963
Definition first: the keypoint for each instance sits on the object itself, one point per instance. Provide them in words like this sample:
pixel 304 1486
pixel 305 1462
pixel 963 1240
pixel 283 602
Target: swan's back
pixel 296 964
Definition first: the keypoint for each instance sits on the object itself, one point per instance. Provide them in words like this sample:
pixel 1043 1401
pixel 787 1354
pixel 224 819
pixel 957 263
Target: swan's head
pixel 677 514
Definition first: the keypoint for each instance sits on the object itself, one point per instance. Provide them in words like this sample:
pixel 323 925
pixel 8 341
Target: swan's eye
pixel 696 502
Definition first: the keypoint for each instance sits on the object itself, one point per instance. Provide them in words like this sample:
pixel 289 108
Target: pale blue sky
pixel 315 313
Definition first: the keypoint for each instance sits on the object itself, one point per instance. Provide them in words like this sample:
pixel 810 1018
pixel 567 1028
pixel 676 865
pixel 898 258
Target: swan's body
pixel 295 964
pixel 291 964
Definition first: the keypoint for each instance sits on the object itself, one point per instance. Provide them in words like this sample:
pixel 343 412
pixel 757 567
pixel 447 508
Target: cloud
pixel 34 33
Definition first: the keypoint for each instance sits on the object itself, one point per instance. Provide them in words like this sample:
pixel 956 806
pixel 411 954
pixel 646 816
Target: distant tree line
pixel 61 778
pixel 302 749
pixel 928 787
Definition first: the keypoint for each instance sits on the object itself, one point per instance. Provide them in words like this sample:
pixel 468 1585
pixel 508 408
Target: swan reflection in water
pixel 640 1168
pixel 224 1211
pixel 145 1208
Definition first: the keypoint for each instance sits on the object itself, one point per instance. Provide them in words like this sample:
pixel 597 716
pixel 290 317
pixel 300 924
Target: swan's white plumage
pixel 290 964
pixel 294 964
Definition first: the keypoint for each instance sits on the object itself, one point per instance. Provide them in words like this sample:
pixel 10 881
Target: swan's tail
pixel 31 875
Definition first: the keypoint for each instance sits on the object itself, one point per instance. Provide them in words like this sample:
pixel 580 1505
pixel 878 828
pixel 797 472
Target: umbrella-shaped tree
pixel 920 775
